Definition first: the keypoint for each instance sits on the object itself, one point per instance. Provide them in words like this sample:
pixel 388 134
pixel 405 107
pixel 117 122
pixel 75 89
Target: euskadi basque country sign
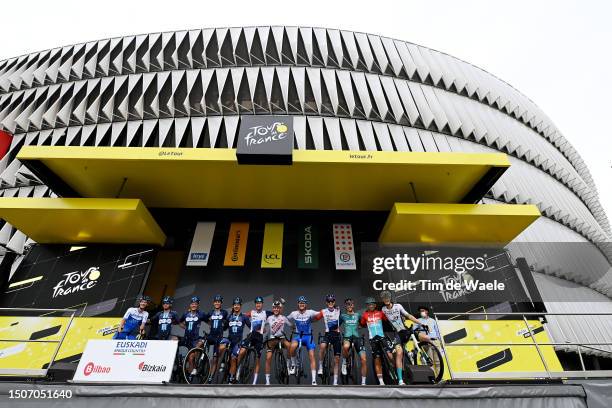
pixel 139 361
pixel 265 140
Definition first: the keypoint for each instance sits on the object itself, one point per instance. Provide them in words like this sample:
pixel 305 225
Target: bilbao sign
pixel 138 361
pixel 265 140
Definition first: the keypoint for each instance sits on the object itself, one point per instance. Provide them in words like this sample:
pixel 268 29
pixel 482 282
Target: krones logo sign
pixel 77 282
pixel 265 140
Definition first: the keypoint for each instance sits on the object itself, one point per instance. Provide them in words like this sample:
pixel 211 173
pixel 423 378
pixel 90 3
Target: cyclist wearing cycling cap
pixel 236 322
pixel 275 332
pixel 133 321
pixel 258 321
pixel 396 314
pixel 350 321
pixel 372 319
pixel 165 319
pixel 217 322
pixel 331 318
pixel 302 319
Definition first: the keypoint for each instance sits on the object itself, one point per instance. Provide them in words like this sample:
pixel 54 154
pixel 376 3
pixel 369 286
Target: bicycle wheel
pixel 388 370
pixel 196 366
pixel 299 374
pixel 351 368
pixel 430 355
pixel 221 375
pixel 247 367
pixel 280 367
pixel 328 366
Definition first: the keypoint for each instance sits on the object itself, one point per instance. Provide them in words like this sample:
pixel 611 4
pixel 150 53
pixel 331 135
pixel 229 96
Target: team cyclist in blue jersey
pixel 236 323
pixel 191 322
pixel 258 318
pixel 217 322
pixel 164 320
pixel 331 319
pixel 302 319
pixel 133 321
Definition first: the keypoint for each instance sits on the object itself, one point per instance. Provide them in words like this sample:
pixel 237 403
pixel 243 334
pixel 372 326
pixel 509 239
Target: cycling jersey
pixel 276 325
pixel 164 320
pixel 217 320
pixel 303 320
pixel 236 324
pixel 395 316
pixel 303 326
pixel 133 319
pixel 373 320
pixel 192 322
pixel 258 320
pixel 331 318
pixel 351 324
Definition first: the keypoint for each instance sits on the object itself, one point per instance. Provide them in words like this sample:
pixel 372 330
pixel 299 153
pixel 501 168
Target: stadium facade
pixel 342 91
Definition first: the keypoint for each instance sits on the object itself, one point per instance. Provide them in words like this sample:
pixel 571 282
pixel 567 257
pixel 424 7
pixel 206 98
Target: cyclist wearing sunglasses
pixel 165 319
pixel 275 331
pixel 350 322
pixel 303 319
pixel 373 320
pixel 133 321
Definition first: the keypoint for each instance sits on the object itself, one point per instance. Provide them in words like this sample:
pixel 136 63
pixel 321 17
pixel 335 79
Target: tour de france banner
pixel 418 274
pixel 136 361
pixel 201 243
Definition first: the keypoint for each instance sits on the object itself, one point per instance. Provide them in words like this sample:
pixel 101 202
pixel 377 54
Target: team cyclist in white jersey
pixel 331 319
pixel 396 315
pixel 275 332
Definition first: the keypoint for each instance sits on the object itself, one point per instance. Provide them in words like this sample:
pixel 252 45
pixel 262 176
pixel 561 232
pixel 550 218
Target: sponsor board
pixel 344 251
pixel 201 243
pixel 235 251
pixel 308 246
pixel 139 361
pixel 272 252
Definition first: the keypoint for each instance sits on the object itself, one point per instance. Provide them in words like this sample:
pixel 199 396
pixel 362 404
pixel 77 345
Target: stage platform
pixel 575 395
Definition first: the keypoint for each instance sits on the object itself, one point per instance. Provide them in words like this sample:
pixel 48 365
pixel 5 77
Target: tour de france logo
pixel 258 135
pixel 77 281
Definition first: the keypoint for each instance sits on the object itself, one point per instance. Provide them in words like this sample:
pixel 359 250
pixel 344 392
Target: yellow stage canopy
pixel 448 223
pixel 82 220
pixel 212 178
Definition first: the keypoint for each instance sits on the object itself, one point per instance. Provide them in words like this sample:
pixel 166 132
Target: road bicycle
pixel 196 365
pixel 352 375
pixel 221 374
pixel 424 353
pixel 279 362
pixel 328 362
pixel 178 371
pixel 246 368
pixel 382 344
pixel 299 361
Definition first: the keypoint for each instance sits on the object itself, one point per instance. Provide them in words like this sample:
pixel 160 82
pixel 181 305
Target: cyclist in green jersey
pixel 350 322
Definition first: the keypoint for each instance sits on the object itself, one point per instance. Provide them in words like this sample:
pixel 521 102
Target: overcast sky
pixel 558 53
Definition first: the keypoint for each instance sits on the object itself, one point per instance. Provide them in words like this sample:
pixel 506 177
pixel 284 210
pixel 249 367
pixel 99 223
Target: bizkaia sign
pixel 265 140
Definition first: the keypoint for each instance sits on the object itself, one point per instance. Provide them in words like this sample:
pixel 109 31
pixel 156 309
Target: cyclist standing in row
pixel 217 321
pixel 258 318
pixel 275 329
pixel 164 319
pixel 303 318
pixel 236 323
pixel 396 315
pixel 373 320
pixel 331 319
pixel 191 321
pixel 350 322
pixel 133 321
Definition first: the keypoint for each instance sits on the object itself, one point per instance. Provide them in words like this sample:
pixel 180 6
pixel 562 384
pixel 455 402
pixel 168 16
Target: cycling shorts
pixel 306 340
pixel 190 342
pixel 234 346
pixel 380 345
pixel 357 343
pixel 334 339
pixel 255 340
pixel 402 337
pixel 216 341
pixel 125 336
pixel 272 342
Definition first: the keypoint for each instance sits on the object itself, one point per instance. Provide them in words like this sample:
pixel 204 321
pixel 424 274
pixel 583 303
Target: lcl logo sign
pixel 272 258
pixel 265 140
